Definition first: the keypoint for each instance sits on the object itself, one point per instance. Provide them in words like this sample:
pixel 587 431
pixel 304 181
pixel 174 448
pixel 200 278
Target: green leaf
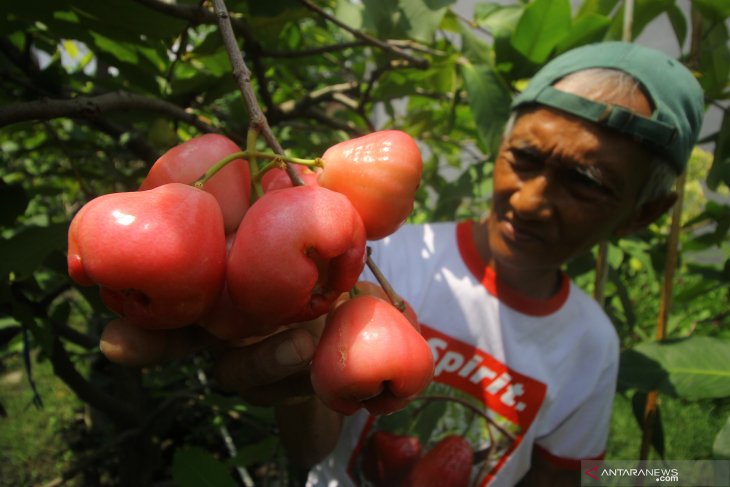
pixel 586 29
pixel 717 10
pixel 476 50
pixel 644 12
pixel 596 7
pixel 384 19
pixel 120 50
pixel 349 13
pixel 496 18
pixel 255 452
pixel 25 251
pixel 692 368
pixel 721 446
pixel 541 27
pixel 8 322
pixel 424 16
pixel 13 202
pixel 720 170
pixel 714 58
pixel 489 100
pixel 122 20
pixel 267 28
pixel 679 23
pixel 194 467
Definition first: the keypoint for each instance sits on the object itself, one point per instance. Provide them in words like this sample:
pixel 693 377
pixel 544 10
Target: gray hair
pixel 607 85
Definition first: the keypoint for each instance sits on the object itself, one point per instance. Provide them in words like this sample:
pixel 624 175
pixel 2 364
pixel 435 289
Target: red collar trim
pixel 509 296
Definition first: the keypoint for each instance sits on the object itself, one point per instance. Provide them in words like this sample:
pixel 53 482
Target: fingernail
pixel 287 354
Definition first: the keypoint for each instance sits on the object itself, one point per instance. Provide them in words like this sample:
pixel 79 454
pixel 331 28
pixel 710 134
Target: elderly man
pixel 526 363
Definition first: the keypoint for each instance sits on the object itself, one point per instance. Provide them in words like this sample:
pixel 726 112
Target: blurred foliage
pixel 318 84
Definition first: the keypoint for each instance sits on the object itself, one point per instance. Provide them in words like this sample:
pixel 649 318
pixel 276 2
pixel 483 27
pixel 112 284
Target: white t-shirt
pixel 512 373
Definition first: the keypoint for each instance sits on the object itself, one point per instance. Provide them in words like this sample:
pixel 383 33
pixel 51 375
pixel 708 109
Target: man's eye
pixel 586 182
pixel 525 159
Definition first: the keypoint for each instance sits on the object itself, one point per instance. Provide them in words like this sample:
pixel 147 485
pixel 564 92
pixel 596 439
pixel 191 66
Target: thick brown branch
pixel 395 51
pixel 91 106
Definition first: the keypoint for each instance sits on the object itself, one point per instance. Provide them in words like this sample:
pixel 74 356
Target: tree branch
pixel 327 93
pixel 313 51
pixel 242 75
pixel 91 106
pixel 394 50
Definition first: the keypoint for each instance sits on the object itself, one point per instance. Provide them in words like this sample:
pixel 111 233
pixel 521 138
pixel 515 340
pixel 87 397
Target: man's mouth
pixel 521 232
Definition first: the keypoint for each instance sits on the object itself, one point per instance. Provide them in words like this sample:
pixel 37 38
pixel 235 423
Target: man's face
pixel 561 184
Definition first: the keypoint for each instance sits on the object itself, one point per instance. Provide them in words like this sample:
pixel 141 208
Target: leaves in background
pixel 721 446
pixel 645 11
pixel 691 368
pixel 195 467
pixel 720 171
pixel 542 26
pixel 489 100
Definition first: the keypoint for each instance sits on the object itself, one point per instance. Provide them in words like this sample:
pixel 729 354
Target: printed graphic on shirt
pixel 471 418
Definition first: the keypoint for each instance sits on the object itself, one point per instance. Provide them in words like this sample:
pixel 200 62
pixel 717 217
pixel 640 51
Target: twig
pixel 242 75
pixel 326 93
pixel 27 363
pixel 395 300
pixel 313 51
pixel 472 24
pixel 396 51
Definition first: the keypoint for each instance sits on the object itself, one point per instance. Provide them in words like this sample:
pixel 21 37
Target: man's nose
pixel 531 201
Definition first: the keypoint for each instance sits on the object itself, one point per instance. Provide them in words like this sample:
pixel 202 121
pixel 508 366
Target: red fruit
pixel 158 255
pixel 370 356
pixel 186 162
pixel 275 179
pixel 387 458
pixel 371 289
pixel 295 251
pixel 448 463
pixel 380 173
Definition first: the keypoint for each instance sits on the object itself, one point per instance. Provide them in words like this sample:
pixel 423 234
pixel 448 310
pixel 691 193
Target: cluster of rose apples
pixel 392 460
pixel 185 251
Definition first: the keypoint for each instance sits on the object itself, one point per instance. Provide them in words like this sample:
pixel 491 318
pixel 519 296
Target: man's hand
pixel 132 346
pixel 265 371
pixel 273 371
pixel 268 371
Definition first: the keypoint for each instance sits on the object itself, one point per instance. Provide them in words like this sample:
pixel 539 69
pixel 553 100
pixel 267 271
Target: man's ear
pixel 646 214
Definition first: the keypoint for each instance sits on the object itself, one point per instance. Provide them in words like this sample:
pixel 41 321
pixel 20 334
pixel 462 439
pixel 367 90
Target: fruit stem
pixel 317 162
pixel 251 137
pixel 395 300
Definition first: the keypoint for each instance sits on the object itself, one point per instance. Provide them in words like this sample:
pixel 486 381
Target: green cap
pixel 674 126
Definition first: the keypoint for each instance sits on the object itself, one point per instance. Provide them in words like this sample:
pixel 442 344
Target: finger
pixel 266 362
pixel 130 345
